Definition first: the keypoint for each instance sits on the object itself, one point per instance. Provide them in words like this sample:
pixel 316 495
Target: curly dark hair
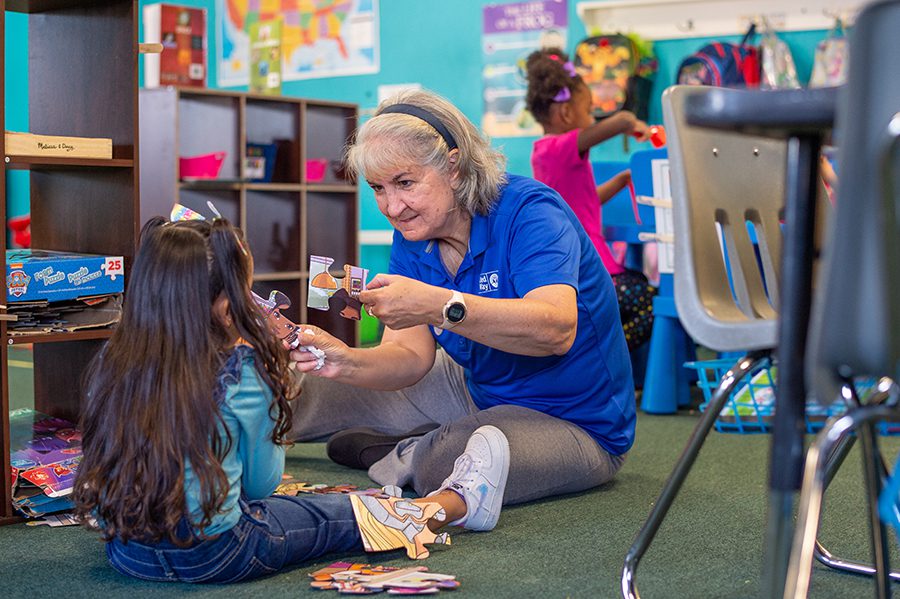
pixel 546 77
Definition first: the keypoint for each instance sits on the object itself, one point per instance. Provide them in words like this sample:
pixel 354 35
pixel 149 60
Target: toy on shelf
pixel 325 292
pixel 282 327
pixel 21 231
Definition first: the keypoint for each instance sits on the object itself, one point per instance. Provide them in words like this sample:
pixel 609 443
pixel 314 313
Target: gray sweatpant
pixel 549 456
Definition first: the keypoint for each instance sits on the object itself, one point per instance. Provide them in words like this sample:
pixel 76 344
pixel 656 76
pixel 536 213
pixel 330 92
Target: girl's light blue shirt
pixel 254 464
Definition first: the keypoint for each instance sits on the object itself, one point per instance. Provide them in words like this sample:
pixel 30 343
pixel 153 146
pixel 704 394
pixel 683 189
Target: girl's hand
pixel 336 353
pixel 640 130
pixel 400 302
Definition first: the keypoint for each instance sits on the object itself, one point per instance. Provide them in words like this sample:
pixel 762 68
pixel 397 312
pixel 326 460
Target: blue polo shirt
pixel 532 239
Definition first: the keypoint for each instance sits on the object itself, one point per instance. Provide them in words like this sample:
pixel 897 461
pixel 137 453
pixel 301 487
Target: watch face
pixel 456 312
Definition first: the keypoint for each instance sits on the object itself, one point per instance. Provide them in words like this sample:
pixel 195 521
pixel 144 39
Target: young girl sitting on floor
pixel 184 419
pixel 561 102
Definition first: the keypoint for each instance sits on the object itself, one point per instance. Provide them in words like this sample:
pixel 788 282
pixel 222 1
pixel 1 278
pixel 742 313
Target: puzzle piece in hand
pixel 392 522
pixel 326 292
pixel 283 328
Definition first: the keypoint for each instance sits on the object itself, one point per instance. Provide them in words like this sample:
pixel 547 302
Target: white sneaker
pixel 479 476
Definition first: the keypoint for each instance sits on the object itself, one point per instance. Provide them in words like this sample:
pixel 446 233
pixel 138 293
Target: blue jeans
pixel 272 533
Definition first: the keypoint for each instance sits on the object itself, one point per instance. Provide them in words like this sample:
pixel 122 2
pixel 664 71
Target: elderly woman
pixel 495 270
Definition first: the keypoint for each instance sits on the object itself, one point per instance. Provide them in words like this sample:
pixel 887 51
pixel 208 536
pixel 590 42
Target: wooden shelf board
pixel 7 520
pixel 287 275
pixel 33 6
pixel 274 186
pixel 83 335
pixel 331 188
pixel 39 163
pixel 211 184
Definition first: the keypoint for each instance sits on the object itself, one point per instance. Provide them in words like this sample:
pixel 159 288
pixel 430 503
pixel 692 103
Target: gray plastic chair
pixel 856 324
pixel 727 299
pixel 727 289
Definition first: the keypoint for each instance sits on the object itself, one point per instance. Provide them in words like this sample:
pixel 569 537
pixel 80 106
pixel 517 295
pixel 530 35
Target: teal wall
pixel 15 62
pixel 438 44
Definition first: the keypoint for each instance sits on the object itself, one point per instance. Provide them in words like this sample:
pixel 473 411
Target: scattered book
pixel 182 32
pixel 45 454
pixel 57 146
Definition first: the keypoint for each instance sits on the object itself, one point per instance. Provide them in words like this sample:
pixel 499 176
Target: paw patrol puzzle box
pixel 44 275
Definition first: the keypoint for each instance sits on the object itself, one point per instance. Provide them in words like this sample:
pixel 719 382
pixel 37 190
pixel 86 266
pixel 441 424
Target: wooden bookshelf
pixel 285 219
pixel 82 82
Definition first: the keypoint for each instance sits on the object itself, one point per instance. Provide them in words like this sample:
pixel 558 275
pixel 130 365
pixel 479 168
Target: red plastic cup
pixel 657 136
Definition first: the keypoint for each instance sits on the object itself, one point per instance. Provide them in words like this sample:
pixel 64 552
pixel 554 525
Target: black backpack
pixel 722 64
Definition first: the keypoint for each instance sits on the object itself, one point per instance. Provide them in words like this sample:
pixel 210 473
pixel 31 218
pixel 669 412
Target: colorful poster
pixel 265 57
pixel 510 33
pixel 320 38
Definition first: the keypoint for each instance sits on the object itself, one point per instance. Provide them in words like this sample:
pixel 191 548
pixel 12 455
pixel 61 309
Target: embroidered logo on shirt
pixel 488 281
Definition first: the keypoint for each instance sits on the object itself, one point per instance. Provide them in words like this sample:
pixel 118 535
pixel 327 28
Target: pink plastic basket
pixel 315 169
pixel 206 166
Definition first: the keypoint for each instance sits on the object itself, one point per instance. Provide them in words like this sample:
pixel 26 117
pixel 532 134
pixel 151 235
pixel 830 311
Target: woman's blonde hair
pixel 388 141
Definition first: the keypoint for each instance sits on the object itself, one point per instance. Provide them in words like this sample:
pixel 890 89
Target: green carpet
pixel 710 545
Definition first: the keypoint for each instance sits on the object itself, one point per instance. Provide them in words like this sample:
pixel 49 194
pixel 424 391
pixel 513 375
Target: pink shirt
pixel 557 163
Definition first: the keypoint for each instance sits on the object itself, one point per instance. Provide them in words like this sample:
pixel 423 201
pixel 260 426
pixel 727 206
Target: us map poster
pixel 510 33
pixel 319 38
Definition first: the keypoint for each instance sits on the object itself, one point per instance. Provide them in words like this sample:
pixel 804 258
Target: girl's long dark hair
pixel 149 403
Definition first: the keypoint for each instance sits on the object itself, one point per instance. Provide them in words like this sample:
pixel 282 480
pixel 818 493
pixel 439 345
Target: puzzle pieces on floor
pixel 363 579
pixel 325 292
pixel 282 327
pixel 393 522
pixel 297 487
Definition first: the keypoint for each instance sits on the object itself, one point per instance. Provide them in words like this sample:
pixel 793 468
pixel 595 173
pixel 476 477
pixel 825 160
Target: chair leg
pixel 814 478
pixel 872 470
pixel 682 469
pixel 835 460
pixel 854 567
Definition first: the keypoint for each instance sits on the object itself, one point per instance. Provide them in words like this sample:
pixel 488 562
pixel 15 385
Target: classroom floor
pixel 710 546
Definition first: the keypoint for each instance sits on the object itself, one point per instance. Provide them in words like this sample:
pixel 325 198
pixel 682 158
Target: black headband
pixel 426 116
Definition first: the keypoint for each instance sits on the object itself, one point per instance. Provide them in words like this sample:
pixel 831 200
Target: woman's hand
pixel 400 302
pixel 337 359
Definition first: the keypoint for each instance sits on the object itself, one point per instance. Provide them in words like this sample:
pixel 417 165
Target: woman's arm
pixel 621 123
pixel 542 323
pixel 402 358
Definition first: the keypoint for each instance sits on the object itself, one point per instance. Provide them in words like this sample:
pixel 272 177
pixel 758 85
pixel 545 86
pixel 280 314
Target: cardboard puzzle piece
pixel 326 292
pixel 282 327
pixel 393 522
pixel 364 579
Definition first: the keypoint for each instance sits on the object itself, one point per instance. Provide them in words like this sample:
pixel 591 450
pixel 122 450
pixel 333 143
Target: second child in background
pixel 560 101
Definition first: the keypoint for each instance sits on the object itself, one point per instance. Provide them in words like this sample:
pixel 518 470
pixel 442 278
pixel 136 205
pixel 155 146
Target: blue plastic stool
pixel 667 384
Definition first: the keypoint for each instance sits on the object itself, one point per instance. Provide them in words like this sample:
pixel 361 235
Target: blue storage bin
pixel 751 406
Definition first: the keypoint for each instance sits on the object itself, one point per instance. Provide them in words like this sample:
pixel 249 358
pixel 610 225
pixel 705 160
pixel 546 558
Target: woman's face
pixel 417 200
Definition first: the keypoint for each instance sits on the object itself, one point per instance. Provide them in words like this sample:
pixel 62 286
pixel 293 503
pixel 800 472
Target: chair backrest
pixel 727 189
pixel 857 322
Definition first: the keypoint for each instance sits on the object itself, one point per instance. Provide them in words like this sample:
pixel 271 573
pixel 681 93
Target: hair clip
pixel 570 69
pixel 563 95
